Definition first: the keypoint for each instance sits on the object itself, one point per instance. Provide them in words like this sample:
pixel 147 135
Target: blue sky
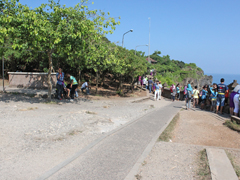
pixel 198 31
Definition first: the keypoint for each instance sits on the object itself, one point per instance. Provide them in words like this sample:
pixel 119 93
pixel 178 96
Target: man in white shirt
pixel 85 86
pixel 160 89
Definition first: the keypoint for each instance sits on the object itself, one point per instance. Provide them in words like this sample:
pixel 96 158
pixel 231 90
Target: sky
pixel 193 31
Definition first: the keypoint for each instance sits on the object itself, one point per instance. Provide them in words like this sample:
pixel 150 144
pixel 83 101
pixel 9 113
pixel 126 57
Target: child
pixel 66 89
pixel 213 97
pixel 203 96
pixel 178 92
pixel 195 97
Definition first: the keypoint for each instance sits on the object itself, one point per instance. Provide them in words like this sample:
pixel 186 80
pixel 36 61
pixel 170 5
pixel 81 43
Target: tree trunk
pixel 103 79
pixel 97 77
pixel 79 77
pixel 120 83
pixel 49 75
pixel 132 84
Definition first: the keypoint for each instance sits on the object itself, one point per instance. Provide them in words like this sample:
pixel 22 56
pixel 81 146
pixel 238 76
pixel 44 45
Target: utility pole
pixel 3 72
pixel 149 40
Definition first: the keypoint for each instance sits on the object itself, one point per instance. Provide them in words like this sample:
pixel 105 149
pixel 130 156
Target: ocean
pixel 228 78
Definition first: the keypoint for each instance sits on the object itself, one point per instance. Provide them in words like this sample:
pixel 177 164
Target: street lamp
pixel 149 40
pixel 138 46
pixel 131 30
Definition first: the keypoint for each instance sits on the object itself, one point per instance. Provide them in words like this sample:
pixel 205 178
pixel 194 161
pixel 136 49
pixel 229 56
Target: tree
pixel 53 28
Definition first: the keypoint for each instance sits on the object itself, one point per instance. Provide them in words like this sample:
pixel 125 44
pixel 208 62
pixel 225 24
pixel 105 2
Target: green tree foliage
pixel 52 28
pixel 173 71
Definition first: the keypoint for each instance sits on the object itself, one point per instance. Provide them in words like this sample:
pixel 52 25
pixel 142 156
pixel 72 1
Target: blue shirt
pixel 178 90
pixel 222 88
pixel 204 94
pixel 157 87
pixel 60 80
pixel 213 94
pixel 150 82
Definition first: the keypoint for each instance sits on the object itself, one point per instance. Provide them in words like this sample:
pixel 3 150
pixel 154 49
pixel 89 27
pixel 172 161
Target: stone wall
pixel 30 80
pixel 167 93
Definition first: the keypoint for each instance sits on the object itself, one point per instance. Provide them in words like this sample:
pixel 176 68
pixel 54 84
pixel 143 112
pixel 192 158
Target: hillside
pixel 172 71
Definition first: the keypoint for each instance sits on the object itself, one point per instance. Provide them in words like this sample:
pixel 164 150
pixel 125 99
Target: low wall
pixel 167 93
pixel 30 80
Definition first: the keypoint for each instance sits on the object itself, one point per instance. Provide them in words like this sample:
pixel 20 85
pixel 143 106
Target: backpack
pixel 189 94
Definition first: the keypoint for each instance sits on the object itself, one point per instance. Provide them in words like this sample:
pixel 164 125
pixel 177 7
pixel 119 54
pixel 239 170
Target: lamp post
pixel 138 46
pixel 149 41
pixel 3 73
pixel 131 30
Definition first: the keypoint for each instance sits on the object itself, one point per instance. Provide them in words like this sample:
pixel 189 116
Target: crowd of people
pixel 215 96
pixel 69 91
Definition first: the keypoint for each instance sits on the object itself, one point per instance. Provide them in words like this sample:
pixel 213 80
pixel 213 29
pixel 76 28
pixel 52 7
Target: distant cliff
pixel 200 82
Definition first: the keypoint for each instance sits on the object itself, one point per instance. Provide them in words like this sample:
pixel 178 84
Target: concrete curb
pixel 148 149
pixel 220 166
pixel 58 167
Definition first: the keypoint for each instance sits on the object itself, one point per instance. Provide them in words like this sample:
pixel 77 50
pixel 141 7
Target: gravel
pixel 35 136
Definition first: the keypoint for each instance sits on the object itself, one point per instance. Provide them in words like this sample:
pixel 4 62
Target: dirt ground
pixel 178 158
pixel 35 136
pixel 205 128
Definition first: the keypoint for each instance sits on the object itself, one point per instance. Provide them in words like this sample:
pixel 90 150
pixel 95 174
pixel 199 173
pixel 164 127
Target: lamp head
pixel 131 30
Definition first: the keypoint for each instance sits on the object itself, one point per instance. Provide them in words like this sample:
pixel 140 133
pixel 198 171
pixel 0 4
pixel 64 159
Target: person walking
pixel 222 89
pixel 157 95
pixel 60 83
pixel 150 83
pixel 73 85
pixel 160 90
pixel 189 96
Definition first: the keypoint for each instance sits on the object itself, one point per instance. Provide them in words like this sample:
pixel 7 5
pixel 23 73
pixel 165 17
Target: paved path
pixel 114 156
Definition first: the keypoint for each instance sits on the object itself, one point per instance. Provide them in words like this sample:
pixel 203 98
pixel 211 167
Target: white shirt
pixel 84 85
pixel 160 85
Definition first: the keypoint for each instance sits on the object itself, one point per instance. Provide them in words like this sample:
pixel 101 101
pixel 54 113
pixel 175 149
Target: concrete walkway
pixel 114 156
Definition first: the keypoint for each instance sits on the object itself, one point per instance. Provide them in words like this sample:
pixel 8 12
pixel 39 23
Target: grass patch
pixel 232 125
pixel 50 102
pixel 152 106
pixel 90 112
pixel 138 177
pixel 168 132
pixel 235 167
pixel 203 171
pixel 28 109
pixel 74 132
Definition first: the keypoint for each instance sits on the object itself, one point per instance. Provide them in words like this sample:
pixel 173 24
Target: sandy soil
pixel 195 130
pixel 170 161
pixel 35 136
pixel 204 128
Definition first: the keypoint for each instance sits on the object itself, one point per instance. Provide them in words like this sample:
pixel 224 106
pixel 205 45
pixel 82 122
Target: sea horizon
pixel 229 78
